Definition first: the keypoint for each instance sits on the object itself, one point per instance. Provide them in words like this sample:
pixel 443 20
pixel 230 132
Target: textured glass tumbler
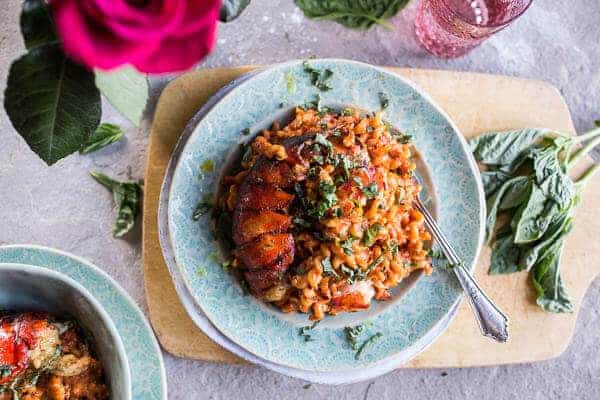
pixel 450 28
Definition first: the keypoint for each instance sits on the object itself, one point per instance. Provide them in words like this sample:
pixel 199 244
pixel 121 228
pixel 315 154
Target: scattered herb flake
pixel 366 343
pixel 328 268
pixel 202 208
pixel 290 84
pixel 383 99
pixel 347 112
pixel 127 197
pixel 347 245
pixel 207 166
pixel 318 78
pixel 202 271
pixel 370 234
pixel 245 131
pixel 305 332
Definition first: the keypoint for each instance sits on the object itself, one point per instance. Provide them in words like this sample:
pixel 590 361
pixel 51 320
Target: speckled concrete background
pixel 62 207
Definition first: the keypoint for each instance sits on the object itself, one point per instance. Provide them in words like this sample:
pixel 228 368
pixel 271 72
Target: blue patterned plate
pixel 148 377
pixel 408 323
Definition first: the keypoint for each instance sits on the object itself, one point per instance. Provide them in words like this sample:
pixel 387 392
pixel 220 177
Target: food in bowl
pixel 45 358
pixel 322 212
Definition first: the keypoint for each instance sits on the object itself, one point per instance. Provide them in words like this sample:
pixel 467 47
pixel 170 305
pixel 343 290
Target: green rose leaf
pixel 357 14
pixel 37 27
pixel 52 102
pixel 231 9
pixel 126 89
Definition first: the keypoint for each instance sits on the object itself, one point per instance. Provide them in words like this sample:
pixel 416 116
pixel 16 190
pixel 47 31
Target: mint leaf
pixel 52 102
pixel 103 136
pixel 127 196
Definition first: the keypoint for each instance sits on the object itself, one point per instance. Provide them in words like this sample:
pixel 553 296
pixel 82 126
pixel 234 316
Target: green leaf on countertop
pixel 505 254
pixel 356 14
pixel 52 102
pixel 560 227
pixel 493 204
pixel 551 293
pixel 126 89
pixel 127 197
pixel 36 23
pixel 492 180
pixel 534 217
pixel 503 148
pixel 103 136
pixel 231 9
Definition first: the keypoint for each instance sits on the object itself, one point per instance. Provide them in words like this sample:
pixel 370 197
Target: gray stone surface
pixel 62 207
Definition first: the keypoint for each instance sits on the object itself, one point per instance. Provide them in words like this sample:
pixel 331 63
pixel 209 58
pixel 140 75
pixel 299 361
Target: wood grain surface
pixel 477 103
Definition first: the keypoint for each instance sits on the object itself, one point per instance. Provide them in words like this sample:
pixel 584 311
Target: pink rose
pixel 153 35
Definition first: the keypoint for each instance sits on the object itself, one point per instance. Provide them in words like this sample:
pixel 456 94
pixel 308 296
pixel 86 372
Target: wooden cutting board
pixel 477 103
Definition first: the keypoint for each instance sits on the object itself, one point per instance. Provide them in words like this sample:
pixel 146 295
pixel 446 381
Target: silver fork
pixel 492 322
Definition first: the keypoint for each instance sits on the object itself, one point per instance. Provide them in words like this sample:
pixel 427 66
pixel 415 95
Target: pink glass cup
pixel 450 28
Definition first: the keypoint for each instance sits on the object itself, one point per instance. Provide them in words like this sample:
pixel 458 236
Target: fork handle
pixel 492 322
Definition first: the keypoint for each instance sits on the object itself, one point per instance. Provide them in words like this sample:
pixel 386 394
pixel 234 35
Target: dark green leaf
pixel 492 180
pixel 534 217
pixel 505 255
pixel 231 9
pixel 37 26
pixel 52 102
pixel 127 196
pixel 559 228
pixel 102 137
pixel 493 204
pixel 357 14
pixel 318 78
pixel 516 194
pixel 353 334
pixel 502 148
pixel 551 294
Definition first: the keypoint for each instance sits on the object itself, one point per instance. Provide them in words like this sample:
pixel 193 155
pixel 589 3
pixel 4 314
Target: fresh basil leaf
pixel 492 180
pixel 371 234
pixel 104 135
pixel 505 255
pixel 357 14
pixel 493 204
pixel 52 102
pixel 127 196
pixel 551 293
pixel 503 148
pixel 559 228
pixel 36 23
pixel 534 217
pixel 516 194
pixel 231 9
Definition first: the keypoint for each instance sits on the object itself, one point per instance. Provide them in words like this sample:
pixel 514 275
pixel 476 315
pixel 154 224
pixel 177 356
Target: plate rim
pixel 207 107
pixel 119 290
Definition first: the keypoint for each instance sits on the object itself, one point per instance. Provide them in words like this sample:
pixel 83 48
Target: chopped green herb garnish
pixel 207 166
pixel 202 208
pixel 305 332
pixel 202 271
pixel 290 85
pixel 328 268
pixel 347 245
pixel 371 190
pixel 353 333
pixel 318 78
pixel 383 99
pixel 347 112
pixel 370 234
pixel 392 247
pixel 318 159
pixel 436 253
pixel 366 343
pixel 338 212
pixel 301 222
pixel 322 141
pixel 246 131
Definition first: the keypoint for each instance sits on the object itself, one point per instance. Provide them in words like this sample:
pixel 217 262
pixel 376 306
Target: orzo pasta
pixel 322 211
